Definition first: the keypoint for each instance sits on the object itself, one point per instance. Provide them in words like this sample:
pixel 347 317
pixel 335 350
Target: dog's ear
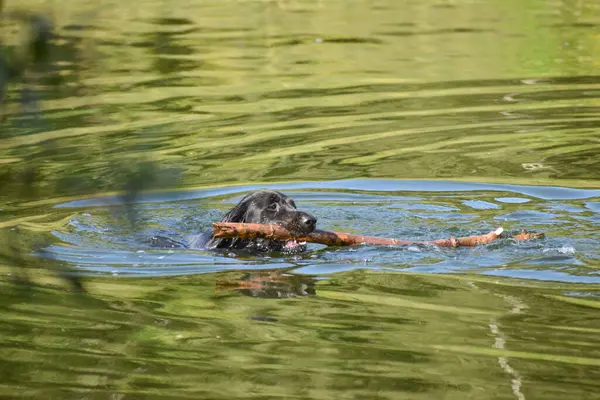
pixel 237 213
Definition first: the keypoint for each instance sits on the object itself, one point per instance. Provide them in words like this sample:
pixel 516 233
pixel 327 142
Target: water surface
pixel 415 120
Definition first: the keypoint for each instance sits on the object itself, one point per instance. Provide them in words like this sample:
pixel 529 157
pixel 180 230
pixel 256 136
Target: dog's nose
pixel 309 221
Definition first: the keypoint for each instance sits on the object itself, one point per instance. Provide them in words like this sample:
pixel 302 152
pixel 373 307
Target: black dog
pixel 263 207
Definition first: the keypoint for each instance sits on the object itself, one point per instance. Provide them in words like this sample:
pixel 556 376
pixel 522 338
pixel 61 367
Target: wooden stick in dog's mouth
pixel 277 232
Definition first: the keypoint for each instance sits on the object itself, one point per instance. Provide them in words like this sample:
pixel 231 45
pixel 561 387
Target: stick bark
pixel 269 231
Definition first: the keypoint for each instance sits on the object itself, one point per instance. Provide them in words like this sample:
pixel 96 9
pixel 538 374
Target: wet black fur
pixel 265 207
pixel 262 207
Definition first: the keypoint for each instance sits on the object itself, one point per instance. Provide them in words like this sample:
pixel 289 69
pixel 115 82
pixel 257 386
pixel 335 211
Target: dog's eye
pixel 272 207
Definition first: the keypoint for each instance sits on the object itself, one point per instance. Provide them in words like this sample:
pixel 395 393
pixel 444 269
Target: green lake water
pixel 410 119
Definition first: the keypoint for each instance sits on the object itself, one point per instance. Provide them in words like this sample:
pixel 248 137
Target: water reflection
pixel 270 284
pixel 364 333
pixel 464 116
pixel 231 94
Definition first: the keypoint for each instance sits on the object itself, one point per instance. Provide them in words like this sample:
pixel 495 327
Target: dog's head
pixel 268 207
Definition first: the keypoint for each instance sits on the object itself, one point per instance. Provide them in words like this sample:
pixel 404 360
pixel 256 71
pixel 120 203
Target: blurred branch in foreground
pixel 28 74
